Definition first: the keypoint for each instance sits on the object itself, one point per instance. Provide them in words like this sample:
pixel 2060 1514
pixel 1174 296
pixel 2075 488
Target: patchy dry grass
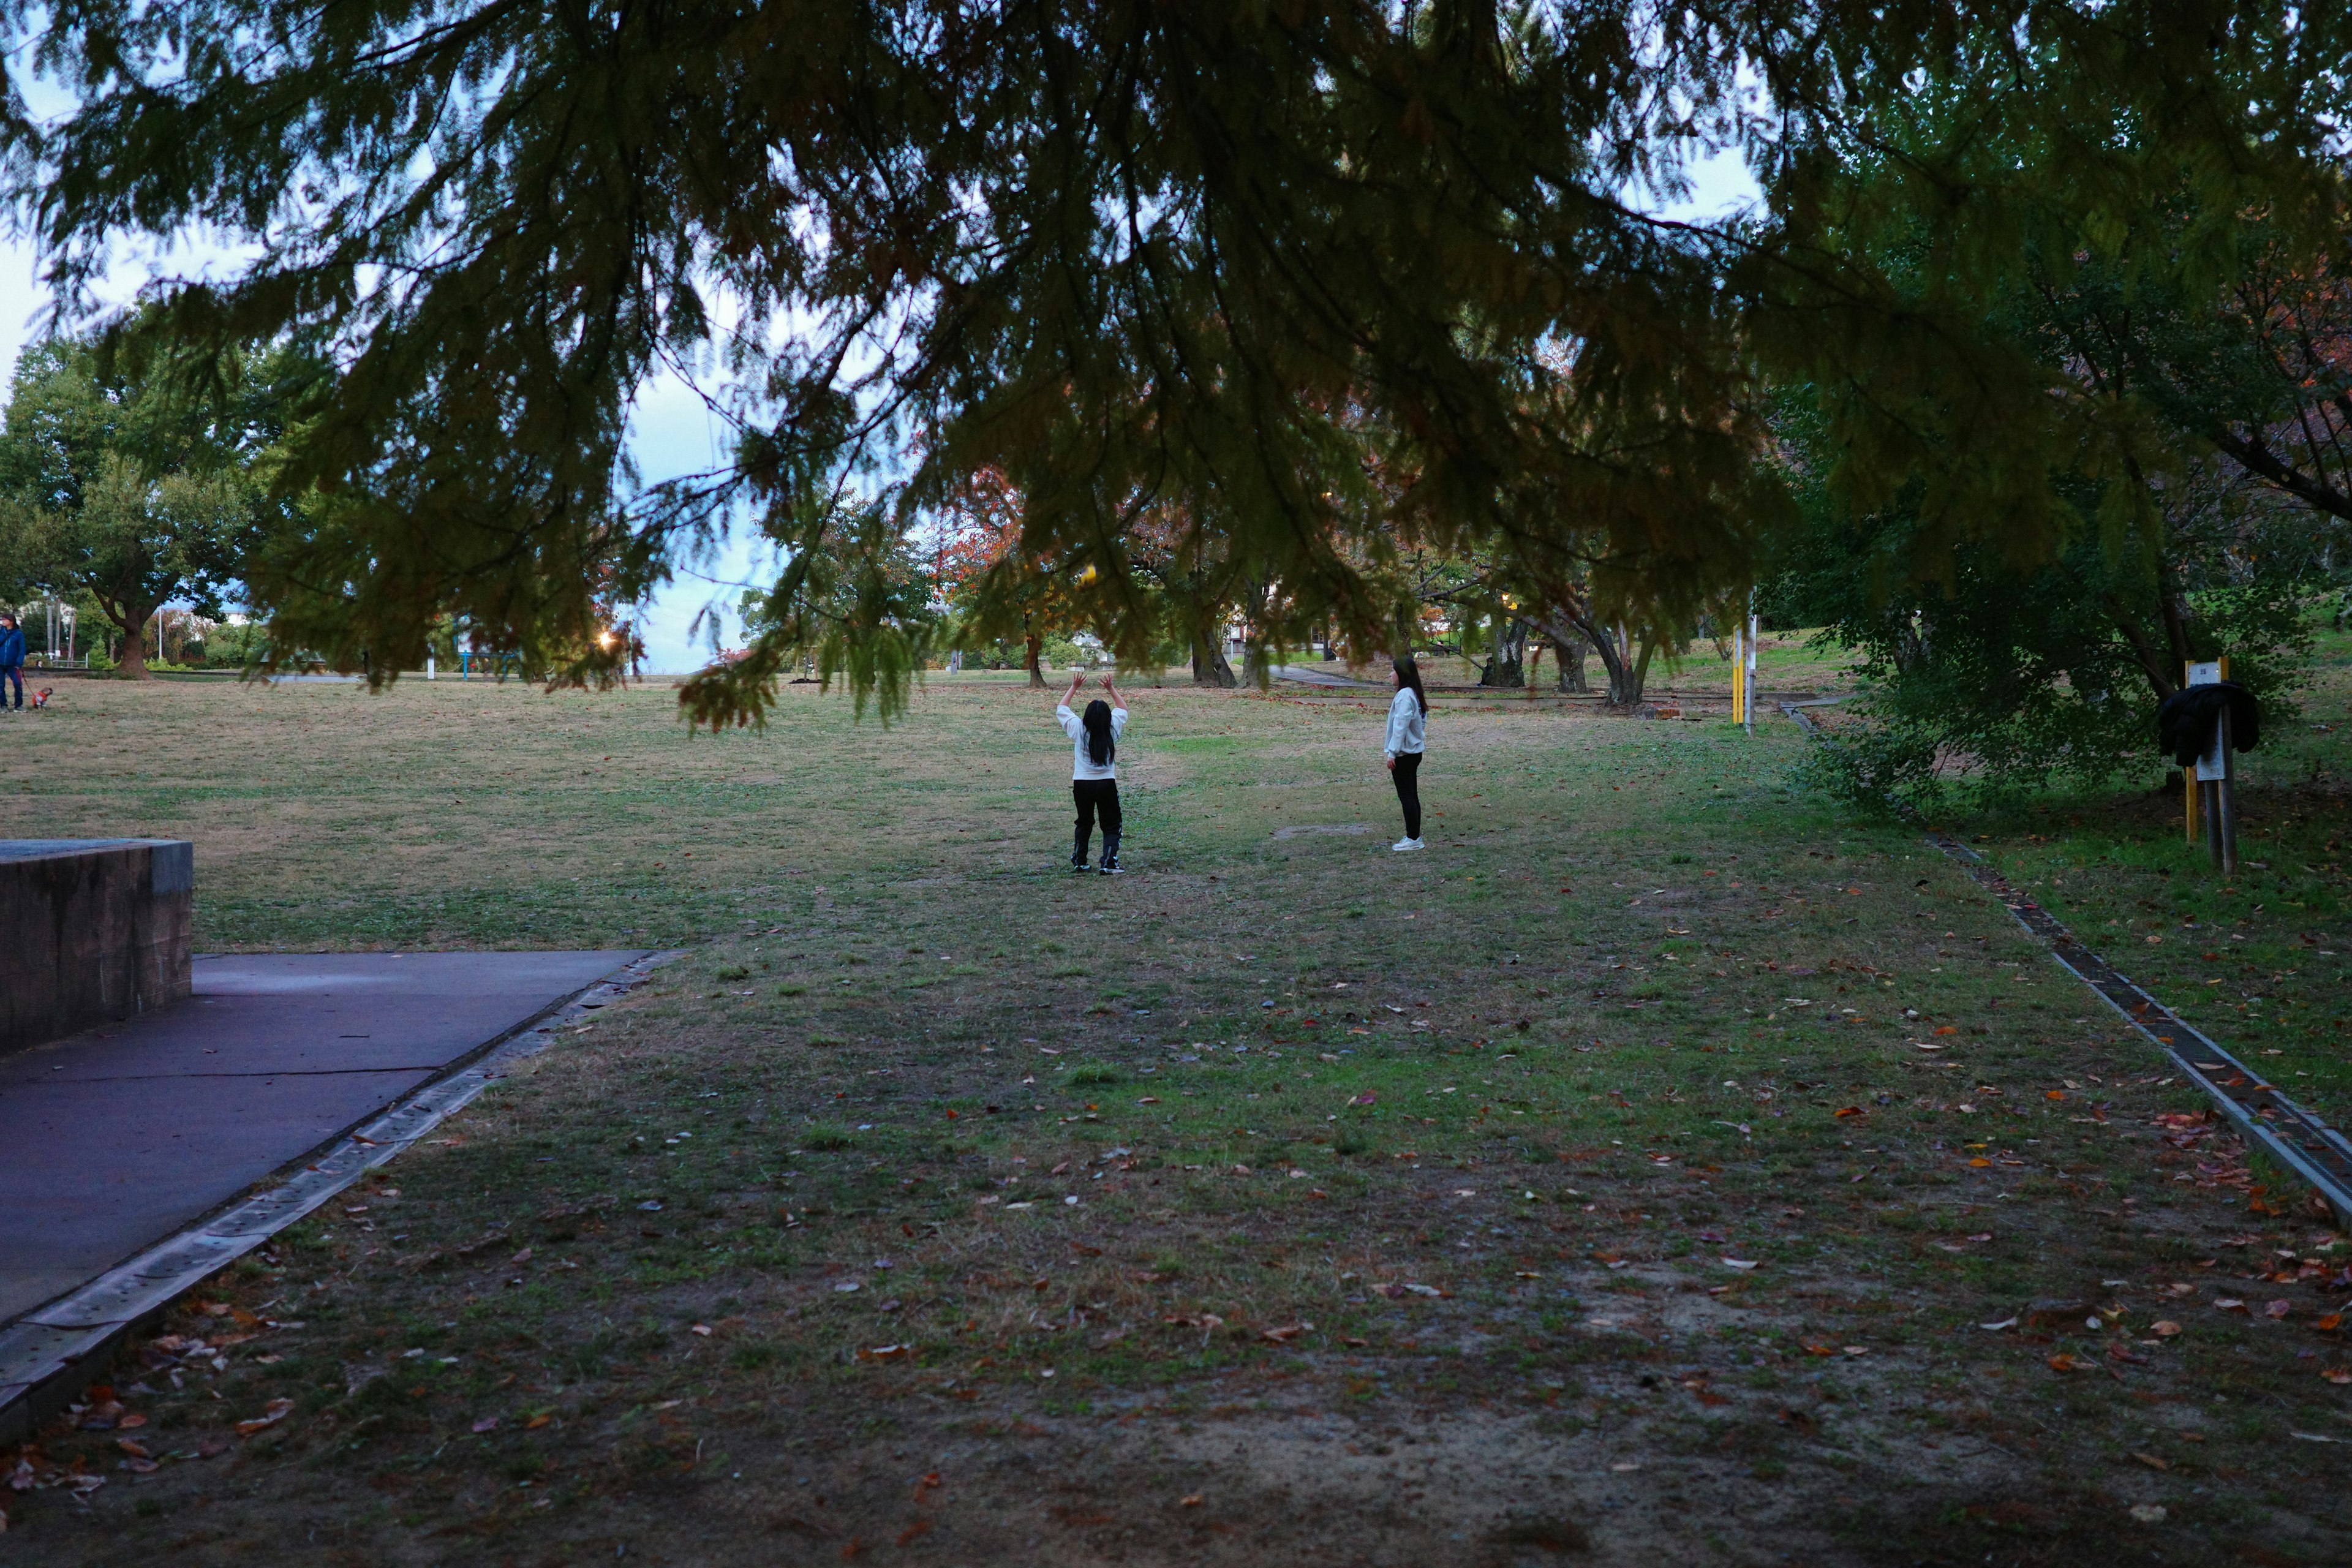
pixel 1285 1200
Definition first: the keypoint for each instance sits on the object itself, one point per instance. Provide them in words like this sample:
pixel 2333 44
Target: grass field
pixel 1628 1178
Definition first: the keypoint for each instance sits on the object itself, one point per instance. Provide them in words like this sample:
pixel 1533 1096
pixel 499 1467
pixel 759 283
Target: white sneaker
pixel 1402 844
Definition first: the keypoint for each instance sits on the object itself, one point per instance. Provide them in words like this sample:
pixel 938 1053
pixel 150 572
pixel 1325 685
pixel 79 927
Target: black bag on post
pixel 2184 720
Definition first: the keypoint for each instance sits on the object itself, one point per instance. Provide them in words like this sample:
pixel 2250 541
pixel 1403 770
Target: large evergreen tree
pixel 1227 255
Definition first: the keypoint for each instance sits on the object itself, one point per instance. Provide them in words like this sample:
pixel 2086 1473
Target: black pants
pixel 1093 795
pixel 14 672
pixel 1408 783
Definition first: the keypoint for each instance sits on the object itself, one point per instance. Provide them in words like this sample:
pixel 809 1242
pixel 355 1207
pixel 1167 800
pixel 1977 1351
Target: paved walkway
pixel 1306 677
pixel 114 1139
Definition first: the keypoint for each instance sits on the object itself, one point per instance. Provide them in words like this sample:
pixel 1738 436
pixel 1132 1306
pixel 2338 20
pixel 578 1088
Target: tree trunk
pixel 1255 664
pixel 132 622
pixel 1210 666
pixel 2152 663
pixel 1627 674
pixel 2176 616
pixel 1573 625
pixel 1569 652
pixel 1035 645
pixel 1507 665
pixel 1640 675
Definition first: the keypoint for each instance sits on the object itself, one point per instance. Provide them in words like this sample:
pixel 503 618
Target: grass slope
pixel 1629 1175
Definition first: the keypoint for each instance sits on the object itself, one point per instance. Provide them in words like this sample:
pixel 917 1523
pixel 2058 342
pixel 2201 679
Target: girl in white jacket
pixel 1094 770
pixel 1408 714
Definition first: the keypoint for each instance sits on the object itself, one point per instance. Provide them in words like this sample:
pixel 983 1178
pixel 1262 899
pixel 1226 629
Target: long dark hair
pixel 1100 745
pixel 1408 675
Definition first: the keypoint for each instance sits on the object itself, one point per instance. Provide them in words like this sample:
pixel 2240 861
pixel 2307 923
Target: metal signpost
pixel 2212 805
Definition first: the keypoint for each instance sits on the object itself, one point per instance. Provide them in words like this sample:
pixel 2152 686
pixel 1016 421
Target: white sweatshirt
pixel 1083 766
pixel 1407 726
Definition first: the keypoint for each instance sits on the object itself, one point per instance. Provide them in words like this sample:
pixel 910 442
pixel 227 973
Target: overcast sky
pixel 671 431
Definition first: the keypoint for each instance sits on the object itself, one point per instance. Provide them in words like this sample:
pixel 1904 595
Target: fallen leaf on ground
pixel 2336 1374
pixel 2165 1329
pixel 274 1412
pixel 2148 1512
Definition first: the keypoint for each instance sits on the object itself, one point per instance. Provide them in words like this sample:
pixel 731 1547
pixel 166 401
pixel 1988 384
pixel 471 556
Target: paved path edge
pixel 51 1353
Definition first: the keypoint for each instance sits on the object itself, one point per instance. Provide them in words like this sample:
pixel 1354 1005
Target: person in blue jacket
pixel 12 660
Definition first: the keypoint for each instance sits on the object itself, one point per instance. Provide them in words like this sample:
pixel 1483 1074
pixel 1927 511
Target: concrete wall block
pixel 92 931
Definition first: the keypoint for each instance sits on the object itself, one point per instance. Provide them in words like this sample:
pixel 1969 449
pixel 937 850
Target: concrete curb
pixel 2289 1133
pixel 50 1354
pixel 2297 1138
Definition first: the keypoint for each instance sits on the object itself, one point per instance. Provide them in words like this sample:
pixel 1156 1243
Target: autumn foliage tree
pixel 987 575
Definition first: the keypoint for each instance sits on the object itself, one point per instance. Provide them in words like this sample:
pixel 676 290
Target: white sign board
pixel 2215 762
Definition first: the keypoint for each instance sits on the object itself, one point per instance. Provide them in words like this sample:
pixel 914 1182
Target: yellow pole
pixel 2189 812
pixel 1738 676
